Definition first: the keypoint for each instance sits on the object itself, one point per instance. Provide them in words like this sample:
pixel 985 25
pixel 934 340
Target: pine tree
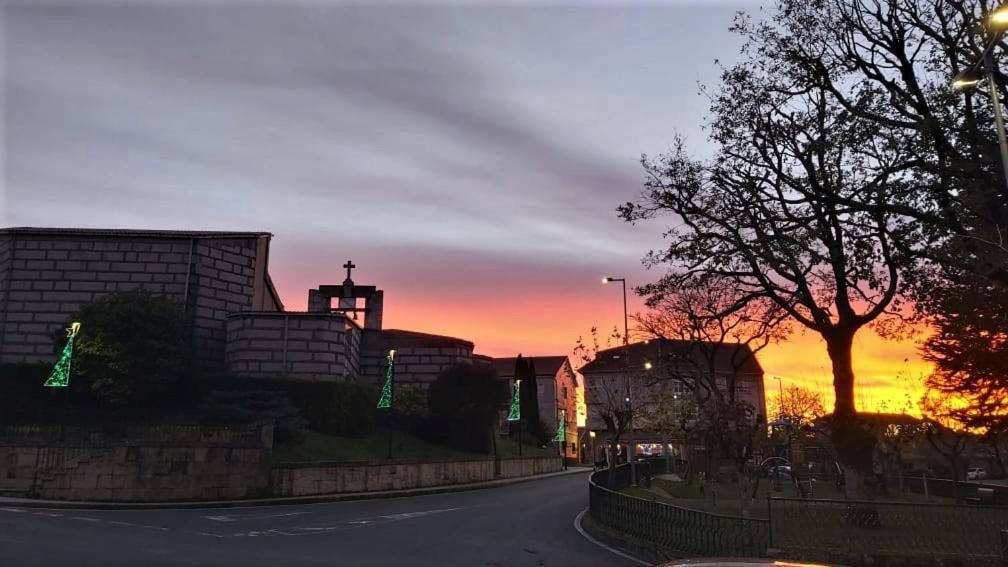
pixel 530 403
pixel 519 375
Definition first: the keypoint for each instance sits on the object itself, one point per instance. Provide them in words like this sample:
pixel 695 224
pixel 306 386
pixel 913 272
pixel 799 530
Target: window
pixel 565 392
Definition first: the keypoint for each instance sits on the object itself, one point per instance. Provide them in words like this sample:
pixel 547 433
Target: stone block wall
pixel 299 346
pixel 143 464
pixel 47 275
pixel 225 272
pixel 419 357
pixel 306 479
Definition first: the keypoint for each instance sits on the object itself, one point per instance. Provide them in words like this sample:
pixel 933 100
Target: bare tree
pixel 762 214
pixel 718 337
pixel 801 407
pixel 945 433
pixel 607 396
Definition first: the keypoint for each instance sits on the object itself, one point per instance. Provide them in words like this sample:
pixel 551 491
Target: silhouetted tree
pixel 463 405
pixel 720 331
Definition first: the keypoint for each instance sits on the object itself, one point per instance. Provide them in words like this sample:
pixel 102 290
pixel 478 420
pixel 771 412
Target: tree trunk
pixel 838 346
pixel 853 440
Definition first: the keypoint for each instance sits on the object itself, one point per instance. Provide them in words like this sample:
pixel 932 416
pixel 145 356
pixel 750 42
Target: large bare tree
pixel 768 213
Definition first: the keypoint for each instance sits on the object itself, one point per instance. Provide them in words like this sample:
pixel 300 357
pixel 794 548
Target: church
pixel 239 322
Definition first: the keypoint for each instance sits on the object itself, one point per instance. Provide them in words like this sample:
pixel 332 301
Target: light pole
pixel 780 397
pixel 632 447
pixel 998 21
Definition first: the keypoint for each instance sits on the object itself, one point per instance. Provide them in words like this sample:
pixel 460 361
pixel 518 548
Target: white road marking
pixel 239 517
pixel 577 526
pixel 408 515
pixel 16 510
pixel 118 523
pixel 84 519
pixel 48 514
pixel 156 528
pixel 349 524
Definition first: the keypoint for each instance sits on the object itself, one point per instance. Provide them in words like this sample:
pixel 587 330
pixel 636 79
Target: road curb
pixel 284 501
pixel 579 525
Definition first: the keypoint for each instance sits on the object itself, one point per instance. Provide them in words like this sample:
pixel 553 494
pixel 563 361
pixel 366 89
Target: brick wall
pixel 47 277
pixel 419 357
pixel 298 346
pixel 140 464
pixel 305 479
pixel 6 255
pixel 225 280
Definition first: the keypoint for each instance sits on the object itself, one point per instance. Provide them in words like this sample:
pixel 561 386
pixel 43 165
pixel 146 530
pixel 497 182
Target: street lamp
pixel 626 359
pixel 986 68
pixel 780 398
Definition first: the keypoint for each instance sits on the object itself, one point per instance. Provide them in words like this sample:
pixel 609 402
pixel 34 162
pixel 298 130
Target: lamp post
pixel 632 447
pixel 985 66
pixel 780 397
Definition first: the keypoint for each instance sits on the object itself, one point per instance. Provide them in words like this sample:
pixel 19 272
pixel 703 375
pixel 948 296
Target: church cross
pixel 349 266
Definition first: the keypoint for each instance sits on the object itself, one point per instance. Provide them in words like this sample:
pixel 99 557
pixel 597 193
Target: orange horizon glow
pixel 889 373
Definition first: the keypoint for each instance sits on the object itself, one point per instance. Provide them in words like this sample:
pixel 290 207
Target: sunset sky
pixel 468 158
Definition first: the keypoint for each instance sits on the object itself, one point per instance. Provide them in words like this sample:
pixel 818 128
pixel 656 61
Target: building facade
pixel 656 377
pixel 557 387
pixel 240 325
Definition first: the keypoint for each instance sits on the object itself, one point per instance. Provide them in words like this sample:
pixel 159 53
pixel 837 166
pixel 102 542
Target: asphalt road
pixel 527 524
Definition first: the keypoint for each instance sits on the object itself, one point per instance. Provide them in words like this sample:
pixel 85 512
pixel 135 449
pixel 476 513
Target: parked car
pixel 976 473
pixel 780 472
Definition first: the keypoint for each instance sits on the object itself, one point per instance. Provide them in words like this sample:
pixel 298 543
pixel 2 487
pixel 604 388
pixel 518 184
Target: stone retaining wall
pixel 308 479
pixel 138 464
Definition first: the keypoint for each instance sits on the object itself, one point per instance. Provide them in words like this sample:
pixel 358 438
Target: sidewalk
pixel 282 501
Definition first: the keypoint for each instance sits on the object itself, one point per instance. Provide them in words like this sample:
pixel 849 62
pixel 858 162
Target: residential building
pixel 557 387
pixel 648 374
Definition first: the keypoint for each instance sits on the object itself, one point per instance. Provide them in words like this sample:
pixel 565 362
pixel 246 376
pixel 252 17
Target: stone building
pixel 47 274
pixel 645 372
pixel 239 323
pixel 557 386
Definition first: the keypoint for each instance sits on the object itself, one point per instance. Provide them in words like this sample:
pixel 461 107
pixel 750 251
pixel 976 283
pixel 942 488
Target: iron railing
pixel 915 532
pixel 825 530
pixel 672 529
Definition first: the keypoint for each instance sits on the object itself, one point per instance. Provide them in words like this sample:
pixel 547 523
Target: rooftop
pixel 398 338
pixel 131 232
pixel 677 355
pixel 546 366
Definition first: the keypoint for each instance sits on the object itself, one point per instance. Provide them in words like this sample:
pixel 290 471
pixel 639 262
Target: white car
pixel 976 473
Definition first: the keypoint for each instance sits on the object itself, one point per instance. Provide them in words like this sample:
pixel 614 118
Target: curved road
pixel 527 524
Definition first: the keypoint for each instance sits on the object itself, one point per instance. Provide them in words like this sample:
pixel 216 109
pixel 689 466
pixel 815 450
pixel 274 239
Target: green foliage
pixel 22 397
pixel 133 349
pixel 463 403
pixel 347 410
pixel 242 406
pixel 529 397
pixel 410 405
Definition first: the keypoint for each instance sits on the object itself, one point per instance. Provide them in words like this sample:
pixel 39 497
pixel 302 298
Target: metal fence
pixel 830 530
pixel 673 529
pixel 915 532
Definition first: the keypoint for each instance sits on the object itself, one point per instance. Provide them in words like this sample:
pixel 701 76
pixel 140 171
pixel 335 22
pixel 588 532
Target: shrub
pixel 347 410
pixel 22 397
pixel 133 349
pixel 464 403
pixel 242 406
pixel 410 406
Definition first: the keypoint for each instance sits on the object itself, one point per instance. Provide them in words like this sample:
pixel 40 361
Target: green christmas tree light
pixel 386 395
pixel 60 376
pixel 561 434
pixel 515 413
